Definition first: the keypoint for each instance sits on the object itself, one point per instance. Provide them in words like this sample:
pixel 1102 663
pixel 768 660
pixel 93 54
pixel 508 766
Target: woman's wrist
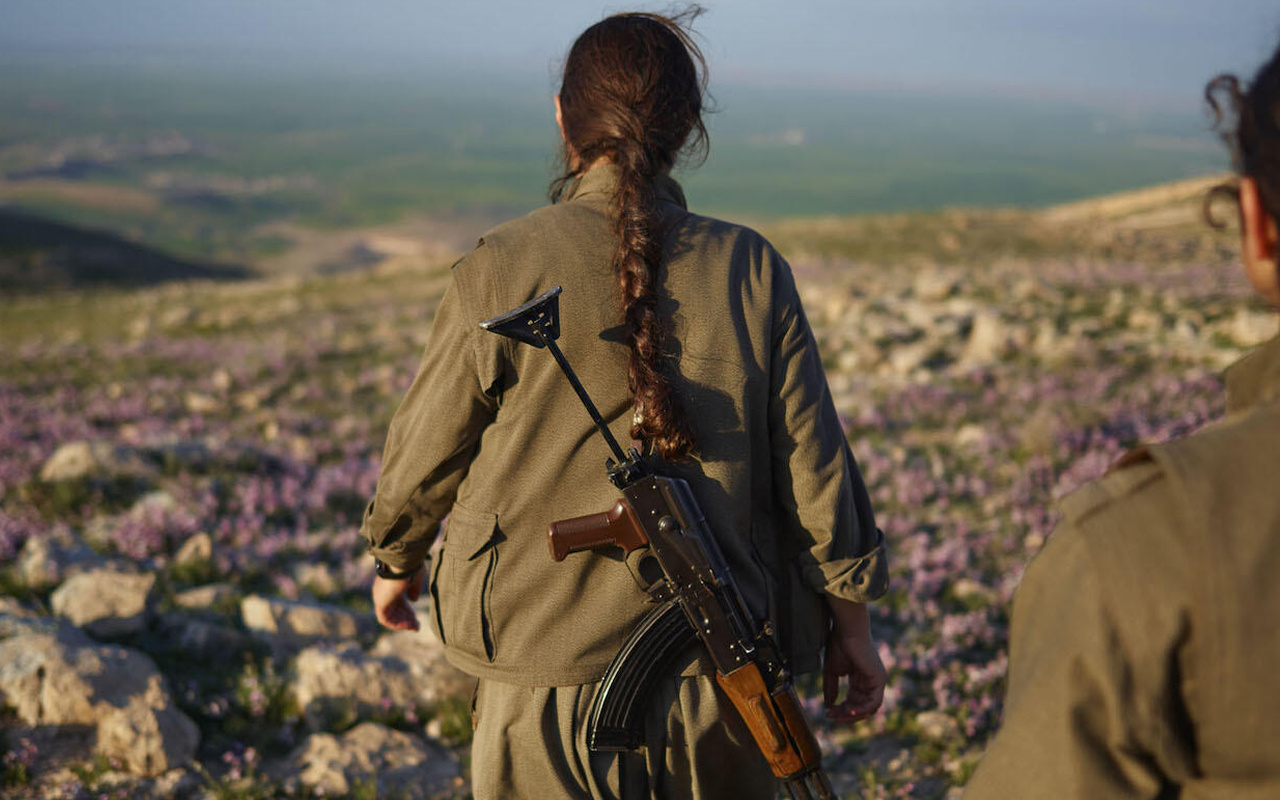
pixel 851 618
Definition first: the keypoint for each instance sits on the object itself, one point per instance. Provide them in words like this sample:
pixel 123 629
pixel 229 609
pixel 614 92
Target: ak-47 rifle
pixel 695 596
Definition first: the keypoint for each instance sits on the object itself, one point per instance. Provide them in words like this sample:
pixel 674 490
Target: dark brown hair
pixel 1249 123
pixel 632 93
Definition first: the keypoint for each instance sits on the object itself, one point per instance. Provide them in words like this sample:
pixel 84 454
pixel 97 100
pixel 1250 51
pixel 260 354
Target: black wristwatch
pixel 381 569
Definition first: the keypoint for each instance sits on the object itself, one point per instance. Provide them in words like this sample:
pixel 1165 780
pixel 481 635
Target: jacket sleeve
pixel 818 489
pixel 1092 707
pixel 434 432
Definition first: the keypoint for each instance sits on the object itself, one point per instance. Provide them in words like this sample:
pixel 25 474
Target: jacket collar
pixel 600 183
pixel 1254 379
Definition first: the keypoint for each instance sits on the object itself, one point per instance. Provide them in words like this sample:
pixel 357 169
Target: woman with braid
pixel 689 335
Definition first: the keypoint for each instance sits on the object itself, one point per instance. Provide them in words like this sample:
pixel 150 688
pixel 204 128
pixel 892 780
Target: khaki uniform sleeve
pixel 434 432
pixel 817 486
pixel 1090 711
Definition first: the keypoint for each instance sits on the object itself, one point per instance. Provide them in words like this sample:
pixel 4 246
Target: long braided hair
pixel 632 94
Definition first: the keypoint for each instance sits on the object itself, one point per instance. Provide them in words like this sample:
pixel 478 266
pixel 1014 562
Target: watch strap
pixel 383 570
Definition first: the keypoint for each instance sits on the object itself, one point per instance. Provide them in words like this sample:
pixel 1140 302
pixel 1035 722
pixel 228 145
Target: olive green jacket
pixel 492 435
pixel 1145 650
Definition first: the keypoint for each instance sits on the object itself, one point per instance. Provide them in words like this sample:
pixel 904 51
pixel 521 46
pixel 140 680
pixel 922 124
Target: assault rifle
pixel 694 594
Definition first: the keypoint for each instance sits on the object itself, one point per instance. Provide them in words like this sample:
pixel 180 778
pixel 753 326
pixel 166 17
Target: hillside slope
pixel 37 254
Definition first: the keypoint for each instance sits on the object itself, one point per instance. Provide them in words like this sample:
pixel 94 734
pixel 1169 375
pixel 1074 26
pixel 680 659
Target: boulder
pixel 423 651
pixel 290 625
pixel 967 589
pixel 907 359
pixel 989 340
pixel 104 602
pixel 196 550
pixel 404 670
pixel 16 619
pixel 198 403
pixel 346 679
pixel 937 725
pixel 201 637
pixel 970 436
pixel 1250 328
pixel 79 460
pixel 400 764
pixel 318 577
pixel 49 559
pixel 209 596
pixel 177 783
pixel 64 679
pixel 935 284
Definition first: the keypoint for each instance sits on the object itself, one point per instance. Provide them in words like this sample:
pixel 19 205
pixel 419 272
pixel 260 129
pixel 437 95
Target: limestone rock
pixel 316 576
pixel 149 737
pixel 48 560
pixel 209 596
pixel 289 625
pixel 198 403
pixel 78 460
pixel 968 589
pixel 970 436
pixel 105 603
pixel 935 284
pixel 402 765
pixel 988 340
pixel 1044 342
pixel 937 726
pixel 1250 328
pixel 157 502
pixel 201 637
pixel 15 619
pixel 177 783
pixel 347 678
pixel 196 550
pixel 907 359
pixel 423 651
pixel 64 679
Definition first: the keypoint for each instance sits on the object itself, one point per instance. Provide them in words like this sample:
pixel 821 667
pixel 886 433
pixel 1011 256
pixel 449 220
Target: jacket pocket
pixel 462 586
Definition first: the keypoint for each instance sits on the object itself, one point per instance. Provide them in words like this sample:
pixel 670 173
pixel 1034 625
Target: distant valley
pixel 286 173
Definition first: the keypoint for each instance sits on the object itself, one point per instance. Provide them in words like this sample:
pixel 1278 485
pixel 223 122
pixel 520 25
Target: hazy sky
pixel 1161 47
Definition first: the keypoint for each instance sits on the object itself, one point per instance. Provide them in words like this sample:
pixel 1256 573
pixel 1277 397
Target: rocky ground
pixel 184 612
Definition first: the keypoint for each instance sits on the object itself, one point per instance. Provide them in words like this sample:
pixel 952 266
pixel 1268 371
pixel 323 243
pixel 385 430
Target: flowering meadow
pixel 253 414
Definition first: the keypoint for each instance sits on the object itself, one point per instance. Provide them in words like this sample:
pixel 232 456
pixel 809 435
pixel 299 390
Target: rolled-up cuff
pixel 860 579
pixel 404 544
pixel 402 556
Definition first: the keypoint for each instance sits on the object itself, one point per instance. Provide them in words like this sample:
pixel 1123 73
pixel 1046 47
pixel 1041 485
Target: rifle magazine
pixel 651 653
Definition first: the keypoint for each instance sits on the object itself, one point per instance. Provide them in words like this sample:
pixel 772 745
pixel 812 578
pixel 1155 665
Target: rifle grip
pixel 617 526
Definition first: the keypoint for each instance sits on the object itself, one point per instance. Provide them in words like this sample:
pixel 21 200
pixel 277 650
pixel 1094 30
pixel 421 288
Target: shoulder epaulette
pixel 1133 471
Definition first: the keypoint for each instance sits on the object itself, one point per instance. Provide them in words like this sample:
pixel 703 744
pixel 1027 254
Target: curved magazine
pixel 650 654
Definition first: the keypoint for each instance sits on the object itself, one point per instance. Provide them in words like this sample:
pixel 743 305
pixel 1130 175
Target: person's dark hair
pixel 1249 122
pixel 632 93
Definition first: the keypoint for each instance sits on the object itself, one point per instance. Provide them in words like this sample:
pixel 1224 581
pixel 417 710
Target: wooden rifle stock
pixel 775 720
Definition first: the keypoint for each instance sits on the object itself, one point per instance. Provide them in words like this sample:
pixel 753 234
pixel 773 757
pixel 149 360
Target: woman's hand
pixel 391 599
pixel 851 653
